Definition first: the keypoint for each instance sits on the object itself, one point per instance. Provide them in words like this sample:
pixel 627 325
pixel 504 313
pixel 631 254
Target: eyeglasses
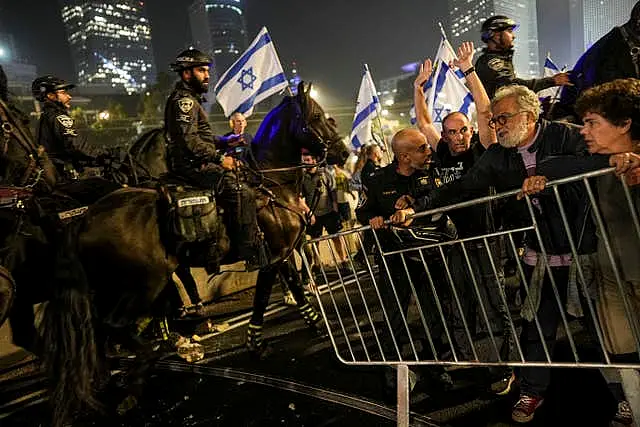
pixel 502 119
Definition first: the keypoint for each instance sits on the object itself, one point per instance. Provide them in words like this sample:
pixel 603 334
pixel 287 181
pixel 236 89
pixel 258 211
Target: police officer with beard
pixel 193 154
pixel 57 133
pixel 495 65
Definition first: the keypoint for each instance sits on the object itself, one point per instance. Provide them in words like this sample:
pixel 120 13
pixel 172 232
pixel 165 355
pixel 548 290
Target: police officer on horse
pixel 193 153
pixel 57 132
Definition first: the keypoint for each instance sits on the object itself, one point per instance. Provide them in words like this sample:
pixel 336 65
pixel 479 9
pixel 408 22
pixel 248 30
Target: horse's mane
pixel 269 130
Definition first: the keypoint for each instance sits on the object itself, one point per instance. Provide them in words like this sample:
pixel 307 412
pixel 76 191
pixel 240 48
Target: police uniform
pixel 66 148
pixel 495 69
pixel 386 186
pixel 193 154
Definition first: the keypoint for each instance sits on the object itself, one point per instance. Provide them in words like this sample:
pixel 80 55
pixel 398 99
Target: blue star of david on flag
pixel 247 74
pixel 255 76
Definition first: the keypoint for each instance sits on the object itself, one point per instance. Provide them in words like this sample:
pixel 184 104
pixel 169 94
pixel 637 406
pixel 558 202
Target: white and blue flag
pixel 255 76
pixel 367 107
pixel 552 93
pixel 446 91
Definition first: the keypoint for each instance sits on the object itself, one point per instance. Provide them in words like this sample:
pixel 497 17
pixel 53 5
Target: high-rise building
pixel 592 19
pixel 219 28
pixel 19 74
pixel 110 44
pixel 466 18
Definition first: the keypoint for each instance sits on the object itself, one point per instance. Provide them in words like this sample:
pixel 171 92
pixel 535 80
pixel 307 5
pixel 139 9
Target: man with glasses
pixel 458 147
pixel 57 133
pixel 495 65
pixel 524 142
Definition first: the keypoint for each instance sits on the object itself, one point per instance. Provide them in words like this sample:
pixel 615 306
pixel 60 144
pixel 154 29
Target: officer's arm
pixel 536 85
pixel 188 129
pixel 423 118
pixel 474 183
pixel 487 76
pixel 75 144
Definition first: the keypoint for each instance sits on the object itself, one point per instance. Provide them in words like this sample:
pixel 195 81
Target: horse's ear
pixel 301 89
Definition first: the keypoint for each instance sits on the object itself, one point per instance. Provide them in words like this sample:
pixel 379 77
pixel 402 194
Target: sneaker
pixel 624 414
pixel 503 386
pixel 525 408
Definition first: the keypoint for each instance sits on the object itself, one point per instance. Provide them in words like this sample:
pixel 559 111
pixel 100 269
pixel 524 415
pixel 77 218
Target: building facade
pixel 592 19
pixel 110 44
pixel 219 28
pixel 466 18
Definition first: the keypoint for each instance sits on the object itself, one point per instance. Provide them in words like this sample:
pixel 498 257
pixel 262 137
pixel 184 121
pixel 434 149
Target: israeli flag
pixel 255 76
pixel 446 91
pixel 367 107
pixel 552 93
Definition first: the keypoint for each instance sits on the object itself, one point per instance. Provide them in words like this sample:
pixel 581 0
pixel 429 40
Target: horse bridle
pixel 7 131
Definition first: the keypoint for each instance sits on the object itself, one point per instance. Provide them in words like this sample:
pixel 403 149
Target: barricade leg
pixel 631 385
pixel 403 396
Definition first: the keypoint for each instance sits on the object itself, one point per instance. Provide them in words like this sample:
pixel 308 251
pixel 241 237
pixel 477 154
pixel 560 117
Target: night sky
pixel 328 39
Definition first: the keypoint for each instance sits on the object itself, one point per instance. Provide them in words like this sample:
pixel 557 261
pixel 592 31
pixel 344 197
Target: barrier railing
pixel 572 264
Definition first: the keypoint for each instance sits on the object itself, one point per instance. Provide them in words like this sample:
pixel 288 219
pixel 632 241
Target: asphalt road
pixel 300 383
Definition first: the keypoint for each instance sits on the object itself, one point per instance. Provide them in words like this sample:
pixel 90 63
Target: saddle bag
pixel 193 214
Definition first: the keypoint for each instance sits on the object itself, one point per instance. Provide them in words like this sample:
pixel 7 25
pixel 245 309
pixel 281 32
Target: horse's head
pixel 297 123
pixel 21 161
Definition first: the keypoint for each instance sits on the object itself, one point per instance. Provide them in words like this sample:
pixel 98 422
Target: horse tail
pixel 67 329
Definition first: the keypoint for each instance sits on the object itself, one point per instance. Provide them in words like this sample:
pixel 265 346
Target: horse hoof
pixel 126 405
pixel 191 352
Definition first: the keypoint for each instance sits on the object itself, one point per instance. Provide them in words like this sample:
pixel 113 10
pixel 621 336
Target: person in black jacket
pixel 193 154
pixel 524 143
pixel 57 133
pixel 495 65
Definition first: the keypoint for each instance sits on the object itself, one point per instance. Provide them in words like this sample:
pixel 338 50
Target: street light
pixel 103 115
pixel 314 93
pixel 2 52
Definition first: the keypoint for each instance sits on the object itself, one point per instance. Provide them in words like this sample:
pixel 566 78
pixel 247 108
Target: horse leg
pixel 308 312
pixel 190 286
pixel 264 284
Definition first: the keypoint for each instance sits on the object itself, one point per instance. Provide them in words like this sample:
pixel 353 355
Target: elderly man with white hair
pixel 525 141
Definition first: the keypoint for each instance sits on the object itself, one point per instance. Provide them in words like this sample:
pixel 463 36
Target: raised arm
pixel 424 122
pixel 483 103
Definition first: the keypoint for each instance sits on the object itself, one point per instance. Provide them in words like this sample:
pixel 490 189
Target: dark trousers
pixel 472 300
pixel 534 381
pixel 238 200
pixel 401 282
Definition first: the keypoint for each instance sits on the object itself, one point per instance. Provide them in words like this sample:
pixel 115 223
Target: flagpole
pixel 555 97
pixel 387 150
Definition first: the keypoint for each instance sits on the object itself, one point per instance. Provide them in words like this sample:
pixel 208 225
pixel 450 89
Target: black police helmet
pixel 496 23
pixel 190 58
pixel 47 84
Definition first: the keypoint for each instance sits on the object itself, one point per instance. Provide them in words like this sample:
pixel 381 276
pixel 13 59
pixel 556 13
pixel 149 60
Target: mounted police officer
pixel 495 65
pixel 193 154
pixel 67 149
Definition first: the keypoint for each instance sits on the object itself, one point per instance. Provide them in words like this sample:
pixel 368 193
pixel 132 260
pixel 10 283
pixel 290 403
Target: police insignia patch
pixel 496 64
pixel 65 120
pixel 185 104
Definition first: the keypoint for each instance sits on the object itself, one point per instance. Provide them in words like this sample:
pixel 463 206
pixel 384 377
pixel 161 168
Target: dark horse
pixel 126 265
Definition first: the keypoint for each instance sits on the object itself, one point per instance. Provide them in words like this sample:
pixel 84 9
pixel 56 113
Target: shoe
pixel 624 414
pixel 503 386
pixel 525 408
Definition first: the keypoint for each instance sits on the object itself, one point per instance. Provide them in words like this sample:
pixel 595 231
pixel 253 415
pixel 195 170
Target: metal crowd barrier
pixel 465 312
